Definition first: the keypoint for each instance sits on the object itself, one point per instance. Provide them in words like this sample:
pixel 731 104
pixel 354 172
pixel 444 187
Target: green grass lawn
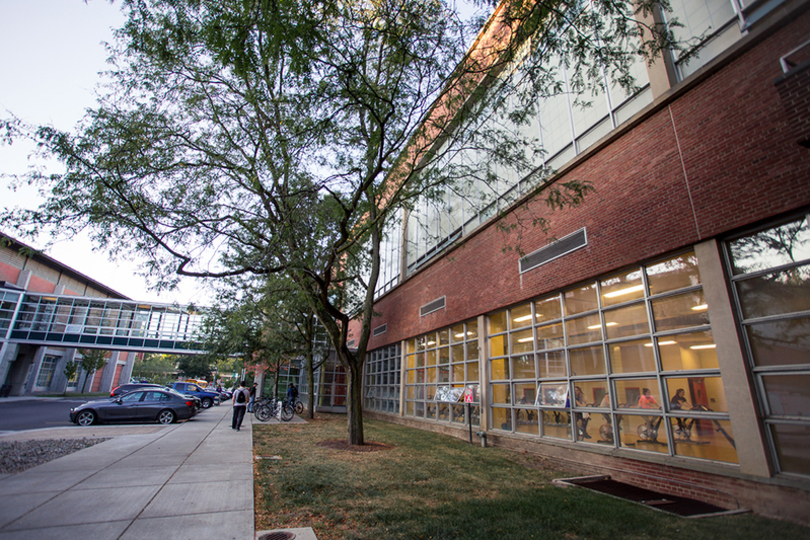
pixel 429 486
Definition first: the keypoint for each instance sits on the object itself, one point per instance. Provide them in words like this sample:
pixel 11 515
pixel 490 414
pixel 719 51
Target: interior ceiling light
pixel 702 307
pixel 622 292
pixel 524 318
pixel 595 326
pixel 701 347
pixel 525 340
pixel 670 342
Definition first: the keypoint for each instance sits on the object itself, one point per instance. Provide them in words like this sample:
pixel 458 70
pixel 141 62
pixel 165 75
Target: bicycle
pixel 263 408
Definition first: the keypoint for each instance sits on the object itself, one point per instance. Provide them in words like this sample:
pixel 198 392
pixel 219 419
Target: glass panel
pixel 500 369
pixel 587 361
pixel 548 309
pixel 791 444
pixel 581 300
pixel 458 372
pixel 780 245
pixel 444 355
pixel 787 394
pixel 430 340
pixel 521 316
pixel 557 424
pixel 629 393
pixel 497 346
pixel 590 393
pixel 777 293
pixel 551 364
pixel 642 433
pixel 622 288
pixel 457 333
pixel 472 350
pixel 780 342
pixel 525 394
pixel 702 438
pixel 430 358
pixel 502 419
pixel 457 353
pixel 523 367
pixel 472 329
pixel 553 395
pixel 632 356
pixel 444 336
pixel 550 336
pixel 627 321
pixel 584 329
pixel 472 371
pixel 497 323
pixel 680 311
pixel 522 342
pixel 526 421
pixel 691 351
pixel 696 394
pixel 676 273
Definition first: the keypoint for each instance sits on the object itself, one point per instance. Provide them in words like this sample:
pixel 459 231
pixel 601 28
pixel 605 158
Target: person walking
pixel 240 399
pixel 252 397
pixel 292 395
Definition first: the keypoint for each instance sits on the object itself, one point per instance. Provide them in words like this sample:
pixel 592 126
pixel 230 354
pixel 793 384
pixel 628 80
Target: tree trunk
pixel 354 400
pixel 311 394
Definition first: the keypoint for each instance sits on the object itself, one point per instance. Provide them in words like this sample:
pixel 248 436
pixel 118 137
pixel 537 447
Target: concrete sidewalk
pixel 185 481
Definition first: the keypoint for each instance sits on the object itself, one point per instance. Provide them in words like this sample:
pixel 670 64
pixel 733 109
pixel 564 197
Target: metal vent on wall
pixel 430 307
pixel 380 329
pixel 554 250
pixel 350 343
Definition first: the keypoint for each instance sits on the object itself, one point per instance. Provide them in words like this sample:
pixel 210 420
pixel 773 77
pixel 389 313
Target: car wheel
pixel 166 417
pixel 86 418
pixel 207 402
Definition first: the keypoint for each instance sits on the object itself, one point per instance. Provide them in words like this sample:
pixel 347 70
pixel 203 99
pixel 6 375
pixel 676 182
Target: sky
pixel 51 53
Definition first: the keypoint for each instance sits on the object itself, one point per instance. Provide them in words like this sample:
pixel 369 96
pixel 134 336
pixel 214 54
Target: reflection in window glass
pixel 675 273
pixel 550 336
pixel 548 309
pixel 500 369
pixel 632 356
pixel 497 323
pixel 581 300
pixel 584 329
pixel 680 311
pixel 791 443
pixel 627 321
pixel 622 288
pixel 587 361
pixel 591 392
pixel 780 343
pixel 773 247
pixel 553 395
pixel 704 439
pixel 705 394
pixel 556 424
pixel 523 367
pixel 774 294
pixel 522 342
pixel 551 364
pixel 692 351
pixel 521 316
pixel 787 394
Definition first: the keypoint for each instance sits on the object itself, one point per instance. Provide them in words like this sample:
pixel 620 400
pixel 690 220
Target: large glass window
pixel 46 371
pixel 442 375
pixel 628 362
pixel 383 372
pixel 770 271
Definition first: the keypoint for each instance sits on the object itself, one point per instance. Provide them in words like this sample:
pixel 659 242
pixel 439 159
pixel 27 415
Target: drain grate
pixel 278 535
pixel 681 506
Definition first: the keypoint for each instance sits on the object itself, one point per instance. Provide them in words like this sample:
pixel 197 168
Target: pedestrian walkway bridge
pixel 98 323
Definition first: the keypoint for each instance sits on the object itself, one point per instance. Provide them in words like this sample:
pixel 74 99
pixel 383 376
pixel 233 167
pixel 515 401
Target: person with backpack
pixel 240 401
pixel 292 394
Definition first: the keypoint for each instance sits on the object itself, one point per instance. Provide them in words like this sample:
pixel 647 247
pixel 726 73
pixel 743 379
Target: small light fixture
pixel 670 342
pixel 702 307
pixel 701 347
pixel 524 318
pixel 622 292
pixel 525 340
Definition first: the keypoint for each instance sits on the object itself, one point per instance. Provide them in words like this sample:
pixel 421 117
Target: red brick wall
pixel 794 90
pixel 716 158
pixel 37 284
pixel 8 273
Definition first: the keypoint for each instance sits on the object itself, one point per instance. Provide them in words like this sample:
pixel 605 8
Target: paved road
pixel 35 413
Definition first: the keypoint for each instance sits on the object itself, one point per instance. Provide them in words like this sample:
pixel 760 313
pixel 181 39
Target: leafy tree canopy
pixel 253 137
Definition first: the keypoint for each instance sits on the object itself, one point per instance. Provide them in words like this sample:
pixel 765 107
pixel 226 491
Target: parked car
pixel 207 398
pixel 143 405
pixel 195 399
pixel 126 388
